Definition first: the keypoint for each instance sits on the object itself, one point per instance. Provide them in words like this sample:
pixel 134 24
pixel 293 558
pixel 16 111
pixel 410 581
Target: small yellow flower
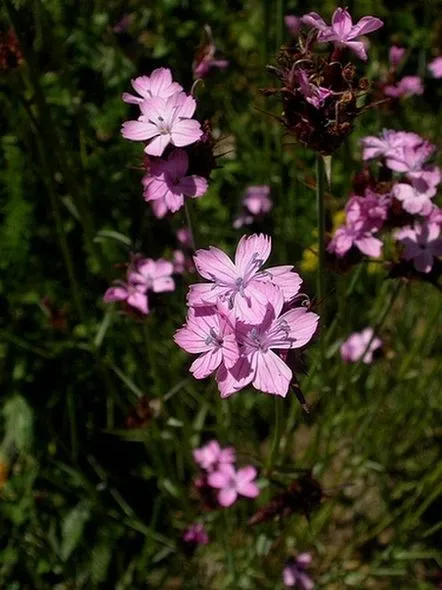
pixel 338 219
pixel 309 262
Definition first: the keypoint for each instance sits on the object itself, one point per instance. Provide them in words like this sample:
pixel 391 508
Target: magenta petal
pixel 342 23
pixel 193 186
pixel 359 48
pixel 367 24
pixel 227 497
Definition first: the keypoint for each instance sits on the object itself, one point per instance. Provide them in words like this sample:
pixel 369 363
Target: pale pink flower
pixel 411 159
pixel 258 363
pixel 158 84
pixel 315 95
pixel 132 294
pixel 413 200
pixel 407 86
pixel 196 534
pixel 360 346
pixel 212 456
pixel 422 243
pixel 368 213
pixel 435 216
pixel 256 202
pixel 294 574
pixel 167 181
pixel 293 24
pixel 347 236
pixel 342 30
pixel 209 333
pixel 396 55
pixel 232 483
pixel 240 284
pixel 388 143
pixel 435 67
pixel 163 121
pixel 151 275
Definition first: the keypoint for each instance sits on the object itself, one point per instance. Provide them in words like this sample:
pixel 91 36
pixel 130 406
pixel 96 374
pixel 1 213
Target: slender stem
pixel 190 224
pixel 320 279
pixel 227 536
pixel 277 433
pixel 151 353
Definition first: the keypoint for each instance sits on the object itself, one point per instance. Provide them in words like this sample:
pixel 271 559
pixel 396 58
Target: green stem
pixel 320 277
pixel 227 537
pixel 190 224
pixel 151 354
pixel 277 433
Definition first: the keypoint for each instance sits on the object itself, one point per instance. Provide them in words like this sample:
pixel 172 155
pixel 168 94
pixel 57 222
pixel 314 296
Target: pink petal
pixel 138 130
pixel 288 281
pixel 193 186
pixel 206 364
pixel 155 187
pixel 313 19
pixel 303 325
pixel 131 99
pixel 115 294
pixel 370 246
pixel 219 479
pixel 227 497
pixel 142 86
pixel 157 146
pixel 251 253
pixel 215 265
pixel 230 350
pixel 160 79
pixel 367 24
pixel 359 48
pixel 245 475
pixel 139 301
pixel 163 284
pixel 179 162
pixel 341 23
pixel 188 340
pixel 272 375
pixel 186 132
pixel 187 107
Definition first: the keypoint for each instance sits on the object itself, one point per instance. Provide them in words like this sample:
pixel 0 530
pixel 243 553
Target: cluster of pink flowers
pixel 294 574
pixel 243 320
pixel 219 473
pixel 255 203
pixel 404 158
pixel 166 126
pixel 360 346
pixel 143 275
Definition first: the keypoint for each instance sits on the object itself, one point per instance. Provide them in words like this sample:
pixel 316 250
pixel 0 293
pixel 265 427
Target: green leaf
pixel 72 528
pixel 18 423
pixel 100 560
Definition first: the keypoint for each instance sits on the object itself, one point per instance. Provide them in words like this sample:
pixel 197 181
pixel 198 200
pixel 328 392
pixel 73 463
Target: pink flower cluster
pixel 255 204
pixel 294 574
pixel 219 472
pixel 143 275
pixel 243 318
pixel 403 156
pixel 165 122
pixel 360 346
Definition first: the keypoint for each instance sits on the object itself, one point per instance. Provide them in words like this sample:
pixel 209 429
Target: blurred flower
pixel 347 236
pixel 396 55
pixel 196 534
pixel 342 30
pixel 232 483
pixel 151 275
pixel 159 84
pixel 293 24
pixel 181 262
pixel 184 237
pixel 11 56
pixel 407 86
pixel 167 181
pixel 294 574
pixel 211 456
pixel 360 345
pixel 422 243
pixel 256 203
pixel 412 199
pixel 388 144
pixel 435 67
pixel 134 296
pixel 122 25
pixel 205 57
pixel 164 121
pixel 309 262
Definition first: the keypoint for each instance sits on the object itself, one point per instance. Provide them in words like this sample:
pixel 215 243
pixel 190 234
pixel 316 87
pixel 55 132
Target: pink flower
pixel 131 294
pixel 342 30
pixel 360 346
pixel 167 181
pixel 184 237
pixel 158 84
pixel 196 534
pixel 435 216
pixel 258 363
pixel 315 95
pixel 435 67
pixel 151 275
pixel 407 86
pixel 164 121
pixel 412 199
pixel 388 144
pixel 209 333
pixel 205 59
pixel 347 236
pixel 293 24
pixel 422 243
pixel 212 456
pixel 181 262
pixel 396 55
pixel 232 484
pixel 411 159
pixel 256 202
pixel 240 284
pixel 367 213
pixel 294 574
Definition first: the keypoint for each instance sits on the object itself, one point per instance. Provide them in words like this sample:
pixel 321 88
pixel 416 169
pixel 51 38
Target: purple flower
pixel 196 534
pixel 360 346
pixel 294 574
pixel 167 181
pixel 232 483
pixel 396 55
pixel 293 24
pixel 435 67
pixel 212 456
pixel 256 202
pixel 240 283
pixel 159 84
pixel 413 200
pixel 422 243
pixel 315 95
pixel 388 144
pixel 133 295
pixel 347 236
pixel 342 30
pixel 151 275
pixel 407 86
pixel 164 121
